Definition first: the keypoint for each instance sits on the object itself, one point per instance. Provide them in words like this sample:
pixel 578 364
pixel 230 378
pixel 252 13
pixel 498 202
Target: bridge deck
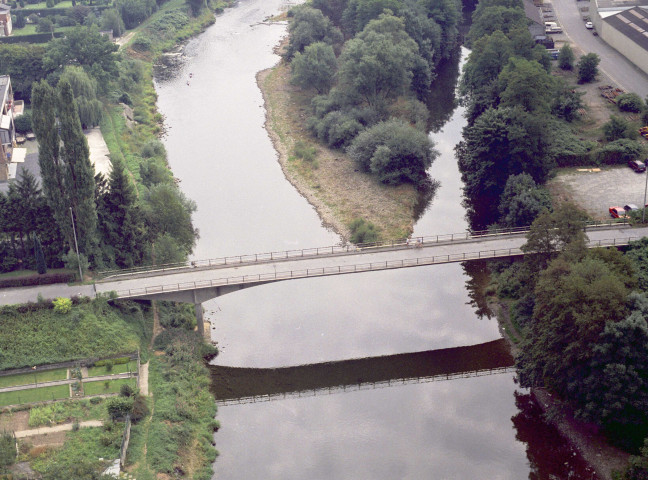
pixel 158 284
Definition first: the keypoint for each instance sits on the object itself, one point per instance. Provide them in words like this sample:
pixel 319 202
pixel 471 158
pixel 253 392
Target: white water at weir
pixel 220 151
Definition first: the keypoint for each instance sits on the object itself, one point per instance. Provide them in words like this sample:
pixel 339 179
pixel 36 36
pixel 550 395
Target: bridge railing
pixel 343 269
pixel 331 250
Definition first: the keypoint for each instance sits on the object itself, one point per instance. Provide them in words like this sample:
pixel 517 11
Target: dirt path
pixel 57 428
pixel 143 379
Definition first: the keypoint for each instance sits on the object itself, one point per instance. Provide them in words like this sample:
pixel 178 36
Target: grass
pixel 99 388
pixel 37 335
pixel 26 273
pixel 34 395
pixel 61 412
pixel 33 377
pixel 121 368
pixel 43 5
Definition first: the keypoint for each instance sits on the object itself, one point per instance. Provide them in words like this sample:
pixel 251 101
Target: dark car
pixel 637 165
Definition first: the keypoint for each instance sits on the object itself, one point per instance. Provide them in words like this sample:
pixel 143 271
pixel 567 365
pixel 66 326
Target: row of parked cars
pixel 622 212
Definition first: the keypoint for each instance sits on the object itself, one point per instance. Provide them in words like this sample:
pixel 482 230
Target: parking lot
pixel 596 191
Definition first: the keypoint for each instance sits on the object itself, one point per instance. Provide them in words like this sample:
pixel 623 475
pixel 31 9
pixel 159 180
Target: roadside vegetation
pixel 576 317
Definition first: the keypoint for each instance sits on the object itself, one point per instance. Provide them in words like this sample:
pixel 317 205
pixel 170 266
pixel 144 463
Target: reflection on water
pixel 550 455
pixel 442 100
pixel 478 275
pixel 231 383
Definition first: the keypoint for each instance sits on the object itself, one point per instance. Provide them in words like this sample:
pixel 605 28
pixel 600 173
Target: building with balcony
pixel 10 156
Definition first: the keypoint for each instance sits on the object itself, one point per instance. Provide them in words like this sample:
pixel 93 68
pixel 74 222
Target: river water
pixel 464 428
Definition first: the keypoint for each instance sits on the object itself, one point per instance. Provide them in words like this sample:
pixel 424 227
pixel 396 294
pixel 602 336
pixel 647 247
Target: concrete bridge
pixel 233 385
pixel 199 281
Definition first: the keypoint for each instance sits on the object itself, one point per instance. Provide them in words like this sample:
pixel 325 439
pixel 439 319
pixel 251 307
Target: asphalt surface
pixel 620 70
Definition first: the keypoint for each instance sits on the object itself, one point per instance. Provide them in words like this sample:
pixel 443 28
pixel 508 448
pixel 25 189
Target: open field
pixel 35 377
pixel 120 368
pixel 99 388
pixel 43 394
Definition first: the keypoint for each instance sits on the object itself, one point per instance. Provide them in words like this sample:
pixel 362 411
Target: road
pixel 620 70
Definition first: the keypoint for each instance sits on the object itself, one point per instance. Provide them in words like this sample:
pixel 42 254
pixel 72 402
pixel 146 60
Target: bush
pixel 7 449
pixel 119 407
pixel 566 57
pixel 140 409
pixel 588 67
pixel 363 231
pixel 337 129
pixel 62 305
pixel 617 128
pixel 619 152
pixel 153 148
pixel 394 151
pixel 23 123
pixel 126 390
pixel 304 151
pixel 630 102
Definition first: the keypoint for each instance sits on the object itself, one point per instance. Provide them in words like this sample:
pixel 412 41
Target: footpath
pixel 66 381
pixel 57 428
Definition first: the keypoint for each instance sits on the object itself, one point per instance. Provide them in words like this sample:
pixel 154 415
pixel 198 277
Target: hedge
pixel 30 280
pixel 33 38
pixel 112 361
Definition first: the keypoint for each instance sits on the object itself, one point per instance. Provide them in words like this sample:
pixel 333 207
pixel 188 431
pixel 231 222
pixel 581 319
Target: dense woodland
pixel 581 315
pixel 369 65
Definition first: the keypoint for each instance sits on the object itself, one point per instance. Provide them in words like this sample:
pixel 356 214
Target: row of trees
pixel 372 62
pixel 584 318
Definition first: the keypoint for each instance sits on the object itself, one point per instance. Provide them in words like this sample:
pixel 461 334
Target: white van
pixel 552 27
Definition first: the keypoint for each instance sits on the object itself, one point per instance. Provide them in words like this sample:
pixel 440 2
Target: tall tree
pixel 79 172
pixel 39 257
pixel 44 105
pixel 315 67
pixel 121 220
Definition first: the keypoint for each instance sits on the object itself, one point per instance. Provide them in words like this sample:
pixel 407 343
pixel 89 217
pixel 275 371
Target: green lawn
pixel 99 388
pixel 35 395
pixel 33 377
pixel 121 368
pixel 42 5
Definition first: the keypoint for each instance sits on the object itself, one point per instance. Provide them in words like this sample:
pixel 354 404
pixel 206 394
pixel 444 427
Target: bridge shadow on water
pixel 233 385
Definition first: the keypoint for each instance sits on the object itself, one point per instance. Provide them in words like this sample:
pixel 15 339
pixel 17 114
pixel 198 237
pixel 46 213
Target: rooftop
pixel 632 23
pixel 620 4
pixel 532 12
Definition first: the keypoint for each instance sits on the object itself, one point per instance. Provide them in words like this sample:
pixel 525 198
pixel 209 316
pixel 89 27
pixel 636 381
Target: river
pixel 480 427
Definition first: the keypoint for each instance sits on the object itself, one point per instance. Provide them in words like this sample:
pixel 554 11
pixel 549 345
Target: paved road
pixel 624 73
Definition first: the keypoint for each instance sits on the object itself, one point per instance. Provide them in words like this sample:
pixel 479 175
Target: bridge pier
pixel 200 322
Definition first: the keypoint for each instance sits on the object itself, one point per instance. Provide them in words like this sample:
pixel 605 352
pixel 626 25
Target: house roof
pixel 619 4
pixel 5 81
pixel 532 12
pixel 4 8
pixel 633 23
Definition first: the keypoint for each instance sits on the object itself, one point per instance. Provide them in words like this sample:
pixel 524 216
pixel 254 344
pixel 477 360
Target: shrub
pixel 337 129
pixel 30 280
pixel 588 67
pixel 62 305
pixel 630 102
pixel 617 128
pixel 363 231
pixel 393 151
pixel 153 148
pixel 304 151
pixel 23 123
pixel 566 57
pixel 140 409
pixel 619 152
pixel 126 390
pixel 7 449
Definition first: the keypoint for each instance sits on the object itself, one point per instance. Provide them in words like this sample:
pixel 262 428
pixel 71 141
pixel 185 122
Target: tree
pixel 574 303
pixel 527 84
pixel 501 142
pixel 120 219
pixel 588 67
pixel 394 152
pixel 630 102
pixel 45 25
pixel 168 212
pixel 496 18
pixel 566 57
pixel 553 232
pixel 617 128
pixel 378 63
pixel 196 6
pixel 111 20
pixel 23 62
pixel 309 26
pixel 79 172
pixel 41 267
pixel 614 394
pixel 315 68
pixel 87 48
pixel 8 451
pixel 566 101
pixel 489 56
pixel 85 94
pixel 44 105
pixel 522 201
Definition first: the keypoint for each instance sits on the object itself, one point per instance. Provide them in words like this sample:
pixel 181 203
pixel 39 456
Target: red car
pixel 618 212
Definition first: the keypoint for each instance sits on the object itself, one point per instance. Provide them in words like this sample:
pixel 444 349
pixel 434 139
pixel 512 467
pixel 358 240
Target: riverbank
pixel 330 182
pixel 603 458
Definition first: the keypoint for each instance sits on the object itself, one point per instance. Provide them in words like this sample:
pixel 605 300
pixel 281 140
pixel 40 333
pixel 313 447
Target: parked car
pixel 618 212
pixel 629 207
pixel 637 165
pixel 589 25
